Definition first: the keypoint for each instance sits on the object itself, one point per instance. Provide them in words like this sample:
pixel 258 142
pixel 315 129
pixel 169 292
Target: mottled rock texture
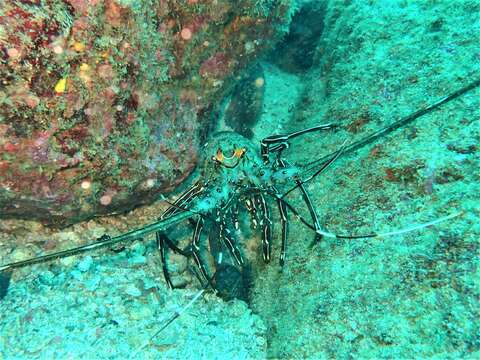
pixel 103 103
pixel 415 295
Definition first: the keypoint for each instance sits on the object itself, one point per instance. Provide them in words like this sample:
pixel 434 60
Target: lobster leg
pixel 162 239
pixel 229 280
pixel 266 224
pixel 161 242
pixel 282 209
pixel 219 230
pixel 234 215
pixel 196 249
pixel 228 240
pixel 251 206
pixel 306 198
pixel 215 245
pixel 278 143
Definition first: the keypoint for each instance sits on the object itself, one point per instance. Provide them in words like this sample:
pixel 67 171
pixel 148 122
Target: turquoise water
pixel 361 66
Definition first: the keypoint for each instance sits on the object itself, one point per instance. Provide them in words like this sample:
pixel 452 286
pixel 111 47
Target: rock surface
pixel 408 296
pixel 103 104
pixel 400 297
pixel 113 311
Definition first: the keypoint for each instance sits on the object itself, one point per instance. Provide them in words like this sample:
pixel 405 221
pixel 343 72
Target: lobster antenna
pixel 392 127
pixel 392 232
pixel 179 207
pixel 327 234
pixel 104 241
pixel 172 318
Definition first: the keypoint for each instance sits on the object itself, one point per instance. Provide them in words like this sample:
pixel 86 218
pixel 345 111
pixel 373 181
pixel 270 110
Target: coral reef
pixel 104 103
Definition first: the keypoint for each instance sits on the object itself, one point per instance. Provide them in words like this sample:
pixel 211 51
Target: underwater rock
pixel 232 283
pixel 85 264
pixel 5 277
pixel 245 107
pixel 296 52
pixel 104 103
pixel 407 296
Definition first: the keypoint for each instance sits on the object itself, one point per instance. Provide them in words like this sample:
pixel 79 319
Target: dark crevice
pixel 295 53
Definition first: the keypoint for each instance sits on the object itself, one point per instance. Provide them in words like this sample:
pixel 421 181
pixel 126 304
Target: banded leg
pixel 235 215
pixel 215 244
pixel 162 239
pixel 195 248
pixel 161 242
pixel 282 209
pixel 220 234
pixel 278 143
pixel 306 198
pixel 227 239
pixel 251 206
pixel 313 212
pixel 228 279
pixel 266 224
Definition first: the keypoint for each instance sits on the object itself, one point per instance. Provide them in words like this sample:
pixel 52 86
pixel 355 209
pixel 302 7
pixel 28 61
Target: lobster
pixel 234 175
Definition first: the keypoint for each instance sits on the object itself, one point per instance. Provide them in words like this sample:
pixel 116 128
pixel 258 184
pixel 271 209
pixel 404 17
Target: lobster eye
pixel 219 155
pixel 239 152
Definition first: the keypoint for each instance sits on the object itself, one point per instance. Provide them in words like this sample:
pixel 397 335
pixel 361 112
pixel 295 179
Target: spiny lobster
pixel 234 176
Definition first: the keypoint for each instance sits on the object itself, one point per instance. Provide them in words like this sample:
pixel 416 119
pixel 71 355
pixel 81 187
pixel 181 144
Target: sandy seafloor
pixel 410 296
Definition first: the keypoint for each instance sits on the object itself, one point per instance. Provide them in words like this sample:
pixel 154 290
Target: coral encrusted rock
pixel 104 103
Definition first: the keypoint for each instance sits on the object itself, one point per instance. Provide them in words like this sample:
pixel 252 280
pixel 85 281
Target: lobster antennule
pixel 318 171
pixel 325 161
pixel 408 229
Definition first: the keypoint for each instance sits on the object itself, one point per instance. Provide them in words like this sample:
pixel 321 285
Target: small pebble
pixel 148 283
pixel 105 200
pixel 102 310
pixel 138 249
pixel 109 280
pixel 46 278
pixel 186 34
pixel 77 275
pixel 137 260
pixel 60 278
pixel 92 284
pixel 132 290
pixel 85 264
pixel 13 53
pixel 140 313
